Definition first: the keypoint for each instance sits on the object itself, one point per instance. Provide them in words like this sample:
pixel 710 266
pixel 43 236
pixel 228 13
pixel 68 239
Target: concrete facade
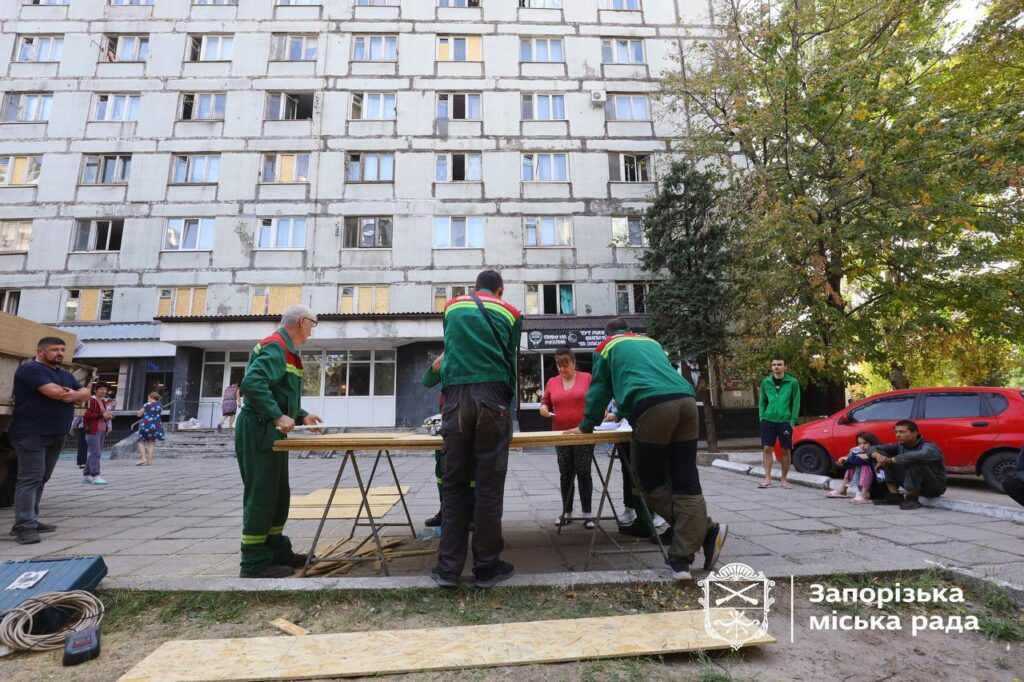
pixel 232 265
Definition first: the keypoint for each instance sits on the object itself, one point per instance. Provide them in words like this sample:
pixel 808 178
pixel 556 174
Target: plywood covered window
pixel 458 49
pixel 273 300
pixel 374 298
pixel 88 305
pixel 182 302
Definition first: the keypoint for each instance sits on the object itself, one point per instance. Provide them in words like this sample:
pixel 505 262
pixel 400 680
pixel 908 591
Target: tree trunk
pixel 704 395
pixel 898 377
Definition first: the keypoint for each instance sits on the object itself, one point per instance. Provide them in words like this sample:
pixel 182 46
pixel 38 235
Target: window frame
pixel 20 238
pixel 133 103
pixel 625 233
pixel 284 99
pixel 450 105
pixel 451 41
pixel 610 5
pixel 449 166
pixel 10 301
pixel 140 51
pixel 172 296
pixel 537 166
pixel 375 288
pixel 611 106
pixel 561 225
pixel 52 39
pixel 529 43
pixel 540 4
pixel 40 109
pixel 122 169
pixel 131 3
pixel 364 105
pixel 189 164
pixel 93 226
pixel 280 43
pixel 534 105
pixel 198 45
pixel 104 300
pixel 274 225
pixel 610 51
pixel 205 227
pixel 355 225
pixel 629 289
pixel 642 162
pixel 297 165
pixel 361 164
pixel 32 165
pixel 449 294
pixel 474 227
pixel 196 105
pixel 364 42
pixel 540 297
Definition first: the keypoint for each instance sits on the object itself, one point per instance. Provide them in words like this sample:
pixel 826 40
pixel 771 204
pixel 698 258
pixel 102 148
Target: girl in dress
pixel 151 429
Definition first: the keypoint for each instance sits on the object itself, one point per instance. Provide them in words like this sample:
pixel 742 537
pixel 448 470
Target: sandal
pixel 764 485
pixel 139 464
pixel 860 500
pixel 835 493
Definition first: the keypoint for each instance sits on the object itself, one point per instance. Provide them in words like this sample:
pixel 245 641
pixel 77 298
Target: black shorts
pixel 781 431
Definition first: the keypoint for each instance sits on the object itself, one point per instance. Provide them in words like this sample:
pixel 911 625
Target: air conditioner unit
pixel 598 97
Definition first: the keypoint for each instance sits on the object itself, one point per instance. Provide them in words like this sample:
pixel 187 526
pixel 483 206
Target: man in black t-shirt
pixel 44 405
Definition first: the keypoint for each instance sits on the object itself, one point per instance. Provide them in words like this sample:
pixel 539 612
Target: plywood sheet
pixel 399 441
pixel 354 654
pixel 21 336
pixel 320 497
pixel 337 512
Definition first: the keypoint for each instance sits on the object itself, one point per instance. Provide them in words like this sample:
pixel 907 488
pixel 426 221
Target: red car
pixel 980 430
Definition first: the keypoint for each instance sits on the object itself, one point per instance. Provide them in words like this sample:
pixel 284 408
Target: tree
pixel 872 202
pixel 688 311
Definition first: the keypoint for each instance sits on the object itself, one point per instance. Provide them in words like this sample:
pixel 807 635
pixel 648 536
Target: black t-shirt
pixel 34 413
pixel 777 382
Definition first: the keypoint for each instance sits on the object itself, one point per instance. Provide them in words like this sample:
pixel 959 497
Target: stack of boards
pixel 345 504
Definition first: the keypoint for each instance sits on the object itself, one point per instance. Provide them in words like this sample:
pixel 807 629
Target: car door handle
pixel 979 423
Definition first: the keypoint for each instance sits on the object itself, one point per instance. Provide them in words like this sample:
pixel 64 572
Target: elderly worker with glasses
pixel 272 386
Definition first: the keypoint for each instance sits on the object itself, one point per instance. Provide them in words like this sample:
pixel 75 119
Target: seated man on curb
pixel 912 462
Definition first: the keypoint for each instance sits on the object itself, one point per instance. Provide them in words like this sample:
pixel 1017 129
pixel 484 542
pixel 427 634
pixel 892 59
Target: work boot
pixel 491 576
pixel 296 560
pixel 434 521
pixel 28 536
pixel 40 528
pixel 272 571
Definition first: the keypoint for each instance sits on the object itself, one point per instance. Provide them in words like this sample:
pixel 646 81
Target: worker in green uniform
pixel 431 378
pixel 272 387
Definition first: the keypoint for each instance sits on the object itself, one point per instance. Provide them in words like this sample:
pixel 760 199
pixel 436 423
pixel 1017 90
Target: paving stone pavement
pixel 181 519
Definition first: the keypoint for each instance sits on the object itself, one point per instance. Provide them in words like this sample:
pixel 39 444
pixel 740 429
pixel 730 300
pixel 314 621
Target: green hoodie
pixel 782 404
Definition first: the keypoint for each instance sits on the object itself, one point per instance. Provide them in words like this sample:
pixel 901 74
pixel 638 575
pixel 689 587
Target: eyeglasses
pixel 311 321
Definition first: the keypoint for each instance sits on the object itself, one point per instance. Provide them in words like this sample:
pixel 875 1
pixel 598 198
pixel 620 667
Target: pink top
pixel 567 405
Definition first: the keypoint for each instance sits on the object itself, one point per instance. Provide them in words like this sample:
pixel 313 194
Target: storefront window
pixel 359 373
pixel 384 372
pixel 213 374
pixel 312 363
pixel 336 375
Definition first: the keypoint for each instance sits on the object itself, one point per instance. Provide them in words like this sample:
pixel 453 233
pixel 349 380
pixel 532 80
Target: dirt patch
pixel 138 622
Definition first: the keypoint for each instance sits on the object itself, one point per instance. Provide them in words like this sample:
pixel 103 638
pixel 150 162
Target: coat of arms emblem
pixel 736 602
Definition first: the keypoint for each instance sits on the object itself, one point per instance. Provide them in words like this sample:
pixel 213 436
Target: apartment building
pixel 174 173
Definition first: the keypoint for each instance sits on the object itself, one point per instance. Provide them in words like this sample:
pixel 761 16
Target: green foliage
pixel 875 202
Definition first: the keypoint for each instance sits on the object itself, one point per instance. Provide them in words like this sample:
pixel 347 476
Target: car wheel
pixel 812 459
pixel 997 466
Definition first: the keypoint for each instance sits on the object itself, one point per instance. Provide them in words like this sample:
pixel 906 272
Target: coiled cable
pixel 16 626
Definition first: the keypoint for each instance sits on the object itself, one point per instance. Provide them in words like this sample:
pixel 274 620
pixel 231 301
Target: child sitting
pixel 857 467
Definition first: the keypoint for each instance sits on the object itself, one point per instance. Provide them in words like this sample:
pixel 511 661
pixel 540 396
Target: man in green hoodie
pixel 660 405
pixel 272 386
pixel 777 411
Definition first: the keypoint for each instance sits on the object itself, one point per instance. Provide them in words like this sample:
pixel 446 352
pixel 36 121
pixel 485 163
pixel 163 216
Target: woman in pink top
pixel 563 401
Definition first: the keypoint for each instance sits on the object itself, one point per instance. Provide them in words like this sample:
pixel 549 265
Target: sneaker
pixel 627 516
pixel 98 481
pixel 441 580
pixel 501 570
pixel 712 546
pixel 680 569
pixel 40 528
pixel 910 503
pixel 589 524
pixel 87 480
pixel 28 536
pixel 272 571
pixel 659 523
pixel 890 499
pixel 434 521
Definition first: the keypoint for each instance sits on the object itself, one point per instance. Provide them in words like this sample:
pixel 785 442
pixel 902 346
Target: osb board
pixel 353 654
pixel 338 511
pixel 21 336
pixel 393 441
pixel 320 497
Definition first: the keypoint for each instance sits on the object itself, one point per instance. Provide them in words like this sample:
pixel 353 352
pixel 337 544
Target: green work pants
pixel 265 493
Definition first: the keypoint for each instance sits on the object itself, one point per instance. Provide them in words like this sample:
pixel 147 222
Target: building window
pixel 541 50
pixel 375 48
pixel 627 108
pixel 364 299
pixel 351 373
pixel 446 292
pixel 630 168
pixel 283 106
pixel 98 235
pixel 550 299
pixel 458 48
pixel 195 169
pixel 282 233
pixel 293 48
pixel 189 234
pixel 458 232
pixel 545 168
pixel 458 3
pixel 126 48
pixel 47 2
pixel 548 230
pixel 378 3
pixel 203 106
pixel 20 170
pixel 88 305
pixel 631 297
pixel 458 167
pixel 131 2
pixel 370 167
pixel 274 300
pixel 15 235
pixel 41 48
pixel 24 107
pixel 628 231
pixel 622 51
pixel 285 168
pixel 111 107
pixel 458 106
pixel 112 169
pixel 182 302
pixel 373 106
pixel 214 2
pixel 541 4
pixel 367 233
pixel 631 5
pixel 537 107
pixel 298 2
pixel 211 48
pixel 9 300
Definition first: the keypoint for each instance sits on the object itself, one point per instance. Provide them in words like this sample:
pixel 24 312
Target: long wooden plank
pixel 353 654
pixel 398 441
